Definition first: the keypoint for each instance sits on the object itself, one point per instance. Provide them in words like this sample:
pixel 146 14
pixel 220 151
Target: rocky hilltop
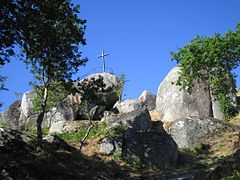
pixel 171 135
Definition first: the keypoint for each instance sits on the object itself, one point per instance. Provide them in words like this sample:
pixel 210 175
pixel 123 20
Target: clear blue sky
pixel 139 35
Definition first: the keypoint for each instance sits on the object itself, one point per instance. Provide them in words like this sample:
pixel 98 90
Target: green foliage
pixel 97 131
pixel 73 137
pixel 8 29
pixel 210 60
pixel 117 155
pixel 58 91
pixel 121 80
pixel 76 137
pixel 35 24
pixel 50 34
pixel 118 130
pixel 4 124
pixel 226 105
pixel 201 148
pixel 51 39
pixel 234 176
pixel 101 130
pixel 92 93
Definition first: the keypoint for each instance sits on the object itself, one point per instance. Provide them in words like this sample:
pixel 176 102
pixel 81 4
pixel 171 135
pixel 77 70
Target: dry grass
pixel 166 126
pixel 155 116
pixel 91 147
pixel 223 144
pixel 235 120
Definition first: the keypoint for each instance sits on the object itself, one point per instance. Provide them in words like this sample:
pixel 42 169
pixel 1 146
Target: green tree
pixel 9 32
pixel 211 60
pixel 121 80
pixel 57 96
pixel 50 40
pixel 92 95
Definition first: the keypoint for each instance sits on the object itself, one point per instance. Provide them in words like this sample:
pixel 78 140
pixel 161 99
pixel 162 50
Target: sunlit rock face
pixel 148 99
pixel 187 132
pixel 21 115
pixel 173 103
pixel 110 81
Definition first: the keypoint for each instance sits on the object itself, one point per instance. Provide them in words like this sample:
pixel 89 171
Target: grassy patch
pixel 117 155
pixel 201 148
pixel 117 130
pixel 34 132
pixel 96 131
pixel 76 137
pixel 235 120
pixel 4 124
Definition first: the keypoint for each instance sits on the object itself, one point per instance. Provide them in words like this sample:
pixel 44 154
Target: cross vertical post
pixel 102 56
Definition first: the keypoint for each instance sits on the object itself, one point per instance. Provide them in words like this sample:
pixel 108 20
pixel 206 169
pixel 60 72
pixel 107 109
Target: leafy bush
pixel 201 148
pixel 118 130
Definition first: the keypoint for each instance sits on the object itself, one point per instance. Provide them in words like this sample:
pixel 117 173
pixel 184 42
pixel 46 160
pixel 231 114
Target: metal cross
pixel 102 56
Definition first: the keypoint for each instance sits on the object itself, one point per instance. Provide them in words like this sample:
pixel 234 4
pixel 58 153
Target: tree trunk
pixel 39 128
pixel 41 116
pixel 85 137
pixel 88 130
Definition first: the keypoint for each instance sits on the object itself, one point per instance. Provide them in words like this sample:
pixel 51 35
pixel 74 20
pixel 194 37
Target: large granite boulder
pixel 96 111
pixel 111 145
pixel 128 105
pixel 187 132
pixel 12 140
pixel 63 112
pixel 22 116
pixel 148 99
pixel 151 149
pixel 27 104
pixel 139 119
pixel 173 103
pixel 57 127
pixel 11 116
pixel 110 81
pixel 69 126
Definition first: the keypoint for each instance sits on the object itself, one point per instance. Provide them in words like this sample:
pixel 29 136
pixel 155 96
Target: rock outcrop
pixel 144 141
pixel 21 116
pixel 173 103
pixel 139 119
pixel 11 140
pixel 69 126
pixel 63 112
pixel 148 99
pixel 145 99
pixel 27 104
pixel 111 82
pixel 128 105
pixel 187 132
pixel 11 115
pixel 150 148
pixel 109 146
